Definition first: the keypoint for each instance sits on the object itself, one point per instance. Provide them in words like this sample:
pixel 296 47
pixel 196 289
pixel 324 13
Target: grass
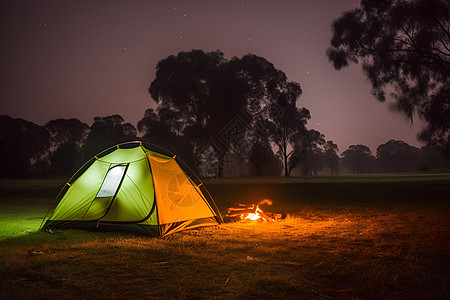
pixel 362 237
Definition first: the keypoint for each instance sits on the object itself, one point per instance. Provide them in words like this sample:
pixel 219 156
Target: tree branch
pixel 444 44
pixel 411 40
pixel 290 153
pixel 443 28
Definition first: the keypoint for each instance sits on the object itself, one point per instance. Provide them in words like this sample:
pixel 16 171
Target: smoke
pixel 265 201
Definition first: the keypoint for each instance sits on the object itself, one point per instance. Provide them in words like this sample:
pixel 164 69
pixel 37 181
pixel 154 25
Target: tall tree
pixel 359 159
pixel 330 157
pixel 260 153
pixel 183 85
pixel 23 147
pixel 430 158
pixel 307 151
pixel 404 44
pixel 397 156
pixel 185 89
pixel 215 100
pixel 13 160
pixel 161 127
pixel 264 161
pixel 67 137
pixel 286 124
pixel 106 132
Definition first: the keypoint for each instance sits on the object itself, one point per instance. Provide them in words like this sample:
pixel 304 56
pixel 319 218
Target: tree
pixel 270 104
pixel 66 159
pixel 13 160
pixel 23 147
pixel 358 158
pixel 161 128
pixel 430 158
pixel 264 161
pixel 330 157
pixel 106 132
pixel 214 101
pixel 307 151
pixel 403 44
pixel 198 92
pixel 67 137
pixel 260 153
pixel 397 156
pixel 287 124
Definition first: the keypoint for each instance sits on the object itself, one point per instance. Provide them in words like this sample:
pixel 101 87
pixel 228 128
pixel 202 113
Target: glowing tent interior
pixel 136 187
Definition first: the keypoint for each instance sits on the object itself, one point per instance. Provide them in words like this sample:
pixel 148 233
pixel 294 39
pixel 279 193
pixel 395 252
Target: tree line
pixel 61 146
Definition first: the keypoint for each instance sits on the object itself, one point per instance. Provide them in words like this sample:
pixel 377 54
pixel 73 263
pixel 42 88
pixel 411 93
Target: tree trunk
pixel 286 167
pixel 220 168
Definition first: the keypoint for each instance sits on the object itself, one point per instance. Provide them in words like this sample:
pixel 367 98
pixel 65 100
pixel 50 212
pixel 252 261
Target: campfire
pixel 252 213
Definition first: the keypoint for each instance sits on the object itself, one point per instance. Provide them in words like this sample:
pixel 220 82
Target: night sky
pixel 65 59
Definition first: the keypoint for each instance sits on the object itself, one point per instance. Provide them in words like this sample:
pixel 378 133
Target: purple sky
pixel 64 59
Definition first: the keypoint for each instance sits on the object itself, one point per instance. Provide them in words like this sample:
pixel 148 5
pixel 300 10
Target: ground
pixel 356 237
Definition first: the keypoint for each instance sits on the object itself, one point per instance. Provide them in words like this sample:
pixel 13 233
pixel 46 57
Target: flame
pixel 256 215
pixel 252 217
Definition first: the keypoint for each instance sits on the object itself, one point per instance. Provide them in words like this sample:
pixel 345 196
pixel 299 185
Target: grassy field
pixel 356 237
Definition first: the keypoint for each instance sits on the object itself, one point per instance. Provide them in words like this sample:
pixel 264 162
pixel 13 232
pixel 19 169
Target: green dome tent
pixel 136 187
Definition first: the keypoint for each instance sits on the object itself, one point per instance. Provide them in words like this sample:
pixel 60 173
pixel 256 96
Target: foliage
pixel 213 102
pixel 262 158
pixel 404 44
pixel 330 157
pixel 196 92
pixel 397 156
pixel 23 147
pixel 13 159
pixel 287 124
pixel 158 127
pixel 67 136
pixel 182 89
pixel 307 152
pixel 431 159
pixel 106 132
pixel 58 149
pixel 359 159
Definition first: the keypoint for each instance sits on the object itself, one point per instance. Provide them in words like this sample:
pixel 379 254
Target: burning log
pixel 251 212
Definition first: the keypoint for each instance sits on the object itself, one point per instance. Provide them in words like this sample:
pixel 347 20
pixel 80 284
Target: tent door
pixel 107 193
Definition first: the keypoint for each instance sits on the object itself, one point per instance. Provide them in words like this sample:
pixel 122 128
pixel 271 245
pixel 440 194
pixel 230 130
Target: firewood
pixel 265 216
pixel 239 212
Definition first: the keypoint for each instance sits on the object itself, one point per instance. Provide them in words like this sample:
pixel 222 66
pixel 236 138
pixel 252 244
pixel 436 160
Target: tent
pixel 136 187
